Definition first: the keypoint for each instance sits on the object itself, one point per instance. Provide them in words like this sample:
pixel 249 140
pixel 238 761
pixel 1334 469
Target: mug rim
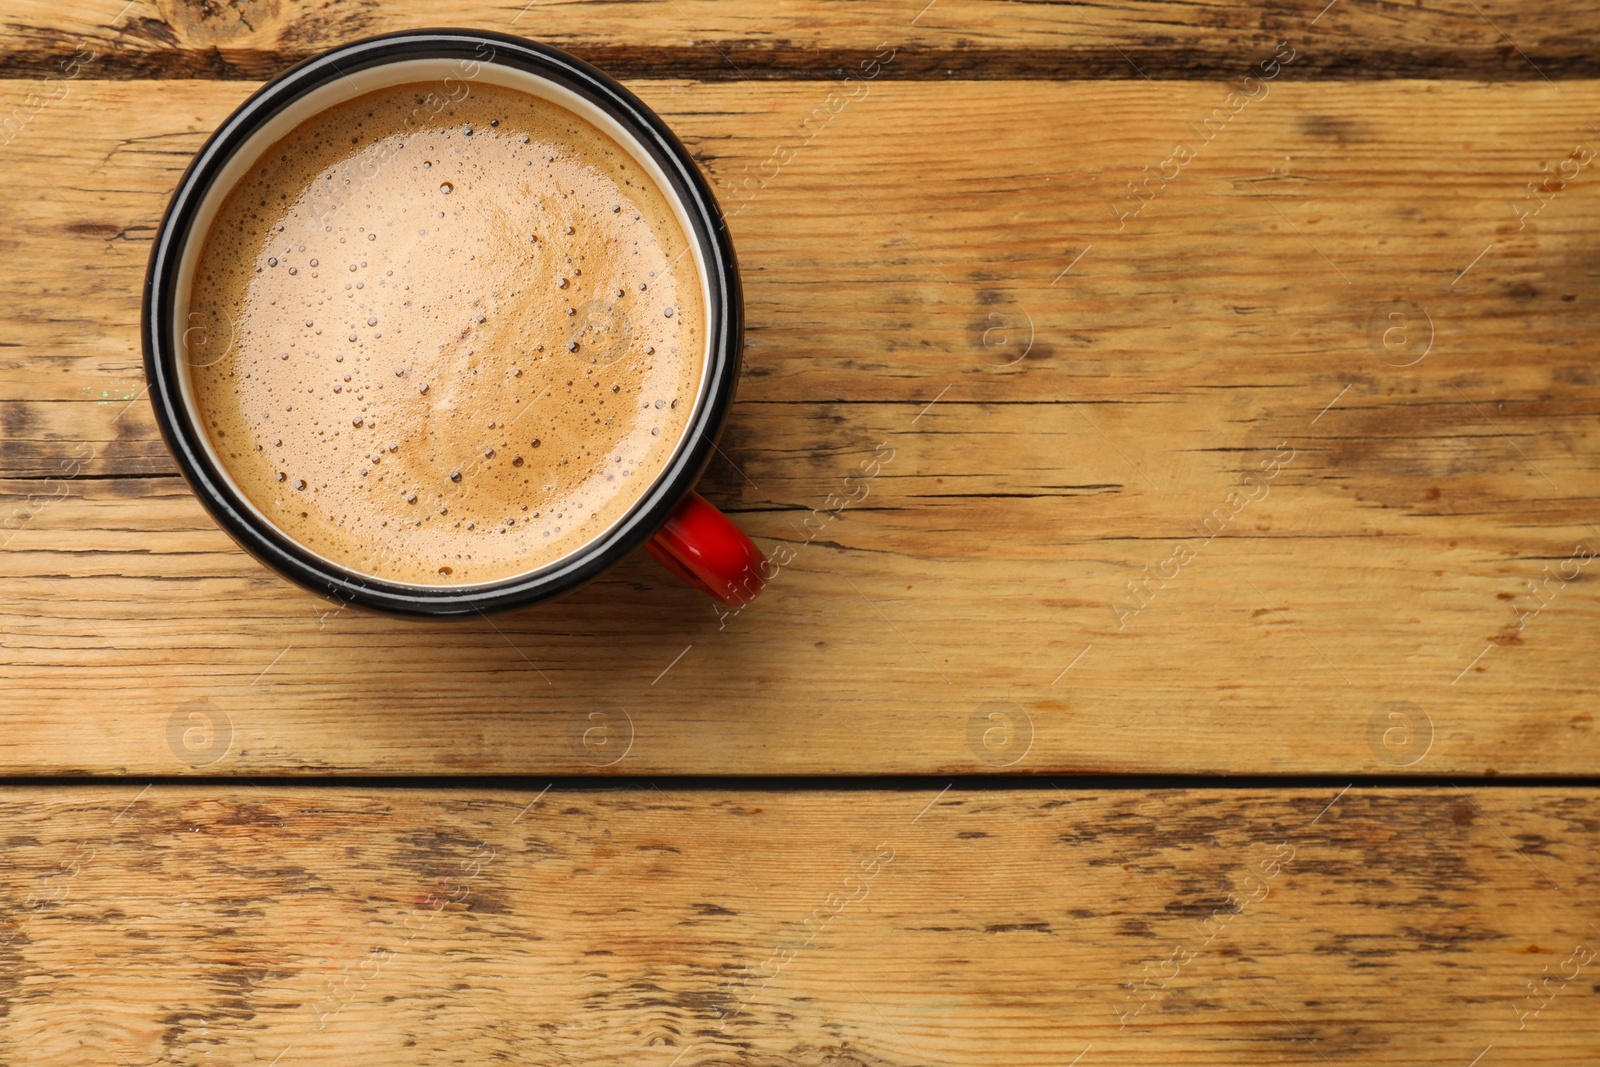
pixel 273 547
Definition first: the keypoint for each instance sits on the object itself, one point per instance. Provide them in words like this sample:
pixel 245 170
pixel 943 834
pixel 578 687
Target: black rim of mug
pixel 269 545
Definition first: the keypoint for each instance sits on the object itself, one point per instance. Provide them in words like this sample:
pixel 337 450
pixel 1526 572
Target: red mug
pixel 687 535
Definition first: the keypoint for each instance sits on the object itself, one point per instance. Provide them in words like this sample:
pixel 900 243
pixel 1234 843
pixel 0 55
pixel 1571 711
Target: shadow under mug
pixel 679 528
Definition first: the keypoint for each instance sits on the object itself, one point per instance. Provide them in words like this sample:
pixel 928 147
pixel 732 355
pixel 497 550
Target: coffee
pixel 445 345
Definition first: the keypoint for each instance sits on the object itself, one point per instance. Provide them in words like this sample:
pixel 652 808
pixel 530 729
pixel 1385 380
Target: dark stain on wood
pixel 18 449
pixel 1008 928
pixel 1338 129
pixel 212 22
pixel 15 418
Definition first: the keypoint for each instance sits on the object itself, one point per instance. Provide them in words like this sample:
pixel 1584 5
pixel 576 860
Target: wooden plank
pixel 1026 928
pixel 256 39
pixel 1398 596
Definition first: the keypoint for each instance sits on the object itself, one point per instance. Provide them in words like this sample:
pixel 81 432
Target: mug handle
pixel 702 546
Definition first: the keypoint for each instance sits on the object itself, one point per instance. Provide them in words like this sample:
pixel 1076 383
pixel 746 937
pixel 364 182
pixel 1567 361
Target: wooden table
pixel 1235 369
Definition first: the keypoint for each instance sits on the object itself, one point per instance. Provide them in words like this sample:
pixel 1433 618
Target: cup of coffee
pixel 444 322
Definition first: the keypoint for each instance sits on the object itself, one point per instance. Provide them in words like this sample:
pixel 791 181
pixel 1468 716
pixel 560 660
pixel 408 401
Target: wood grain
pixel 1004 39
pixel 1280 464
pixel 1394 597
pixel 1019 927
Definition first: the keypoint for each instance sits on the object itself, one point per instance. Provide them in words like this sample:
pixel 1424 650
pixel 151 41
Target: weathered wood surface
pixel 1003 39
pixel 1398 595
pixel 1024 928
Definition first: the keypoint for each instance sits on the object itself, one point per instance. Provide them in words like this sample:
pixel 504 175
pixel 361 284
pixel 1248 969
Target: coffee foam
pixel 445 347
